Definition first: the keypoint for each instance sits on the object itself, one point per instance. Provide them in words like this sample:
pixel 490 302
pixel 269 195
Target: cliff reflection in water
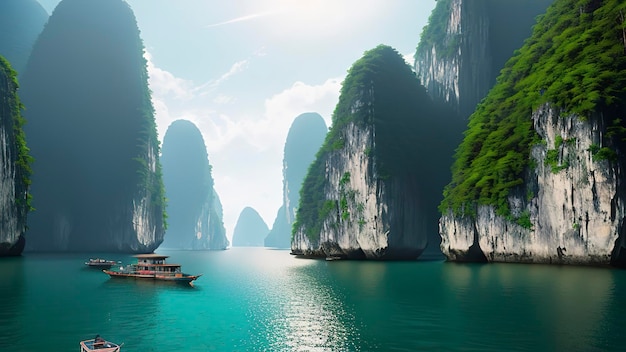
pixel 532 307
pixel 406 306
pixel 11 298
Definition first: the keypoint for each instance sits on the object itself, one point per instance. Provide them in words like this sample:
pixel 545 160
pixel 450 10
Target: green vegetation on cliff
pixel 14 119
pixel 435 34
pixel 380 94
pixel 575 59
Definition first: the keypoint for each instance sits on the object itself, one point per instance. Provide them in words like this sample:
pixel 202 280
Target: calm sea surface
pixel 255 299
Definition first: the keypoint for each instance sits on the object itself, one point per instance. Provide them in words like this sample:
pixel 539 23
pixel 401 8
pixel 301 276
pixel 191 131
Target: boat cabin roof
pixel 158 265
pixel 151 256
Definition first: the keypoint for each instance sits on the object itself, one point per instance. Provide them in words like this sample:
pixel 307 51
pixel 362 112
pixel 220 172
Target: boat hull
pixel 185 279
pixel 100 264
pixel 102 346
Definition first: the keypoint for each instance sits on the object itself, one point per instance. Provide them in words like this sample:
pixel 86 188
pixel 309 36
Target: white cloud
pixel 164 83
pixel 243 18
pixel 301 97
pixel 210 86
pixel 261 185
pixel 222 99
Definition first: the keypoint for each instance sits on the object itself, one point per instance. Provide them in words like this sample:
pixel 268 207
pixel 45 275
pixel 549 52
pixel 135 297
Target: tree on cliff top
pixel 575 59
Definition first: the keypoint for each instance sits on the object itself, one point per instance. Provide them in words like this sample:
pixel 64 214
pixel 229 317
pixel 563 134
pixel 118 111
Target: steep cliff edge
pixel 14 166
pixel 467 42
pixel 304 139
pixel 367 194
pixel 21 21
pixel 97 182
pixel 194 210
pixel 539 176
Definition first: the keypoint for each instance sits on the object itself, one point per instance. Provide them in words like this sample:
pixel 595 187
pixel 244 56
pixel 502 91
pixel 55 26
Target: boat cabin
pixel 155 263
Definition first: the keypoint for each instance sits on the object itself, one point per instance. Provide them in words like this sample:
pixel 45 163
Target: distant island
pixel 195 219
pixel 304 139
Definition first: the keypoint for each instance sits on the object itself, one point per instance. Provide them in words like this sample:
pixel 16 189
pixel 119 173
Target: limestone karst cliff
pixel 466 44
pixel 14 166
pixel 97 182
pixel 195 219
pixel 374 186
pixel 250 229
pixel 304 139
pixel 462 50
pixel 21 21
pixel 539 176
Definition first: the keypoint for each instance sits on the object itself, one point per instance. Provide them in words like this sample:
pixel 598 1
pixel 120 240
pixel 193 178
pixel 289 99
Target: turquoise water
pixel 255 299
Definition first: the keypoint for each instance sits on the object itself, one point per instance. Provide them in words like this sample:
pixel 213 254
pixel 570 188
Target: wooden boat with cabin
pixel 152 267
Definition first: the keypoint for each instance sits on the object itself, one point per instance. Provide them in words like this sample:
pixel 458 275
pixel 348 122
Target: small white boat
pixel 99 344
pixel 100 263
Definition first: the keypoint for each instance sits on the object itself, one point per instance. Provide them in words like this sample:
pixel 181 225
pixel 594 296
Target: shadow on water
pixel 528 307
pixel 408 306
pixel 11 300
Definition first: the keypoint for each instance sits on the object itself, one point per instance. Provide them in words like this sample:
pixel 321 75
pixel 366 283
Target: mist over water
pixel 256 299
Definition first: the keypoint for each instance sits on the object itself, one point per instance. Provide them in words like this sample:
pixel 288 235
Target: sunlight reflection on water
pixel 298 313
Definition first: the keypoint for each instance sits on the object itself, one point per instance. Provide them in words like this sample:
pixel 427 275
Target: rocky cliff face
pixel 366 209
pixel 539 177
pixel 577 214
pixel 194 209
pixel 97 182
pixel 250 229
pixel 460 54
pixel 14 166
pixel 365 196
pixel 466 44
pixel 21 21
pixel 304 139
pixel 214 225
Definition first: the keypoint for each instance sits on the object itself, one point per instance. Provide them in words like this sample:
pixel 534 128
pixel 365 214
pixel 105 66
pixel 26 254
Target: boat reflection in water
pixel 152 267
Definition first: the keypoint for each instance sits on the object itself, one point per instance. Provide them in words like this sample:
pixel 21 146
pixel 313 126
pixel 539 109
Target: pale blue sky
pixel 242 70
